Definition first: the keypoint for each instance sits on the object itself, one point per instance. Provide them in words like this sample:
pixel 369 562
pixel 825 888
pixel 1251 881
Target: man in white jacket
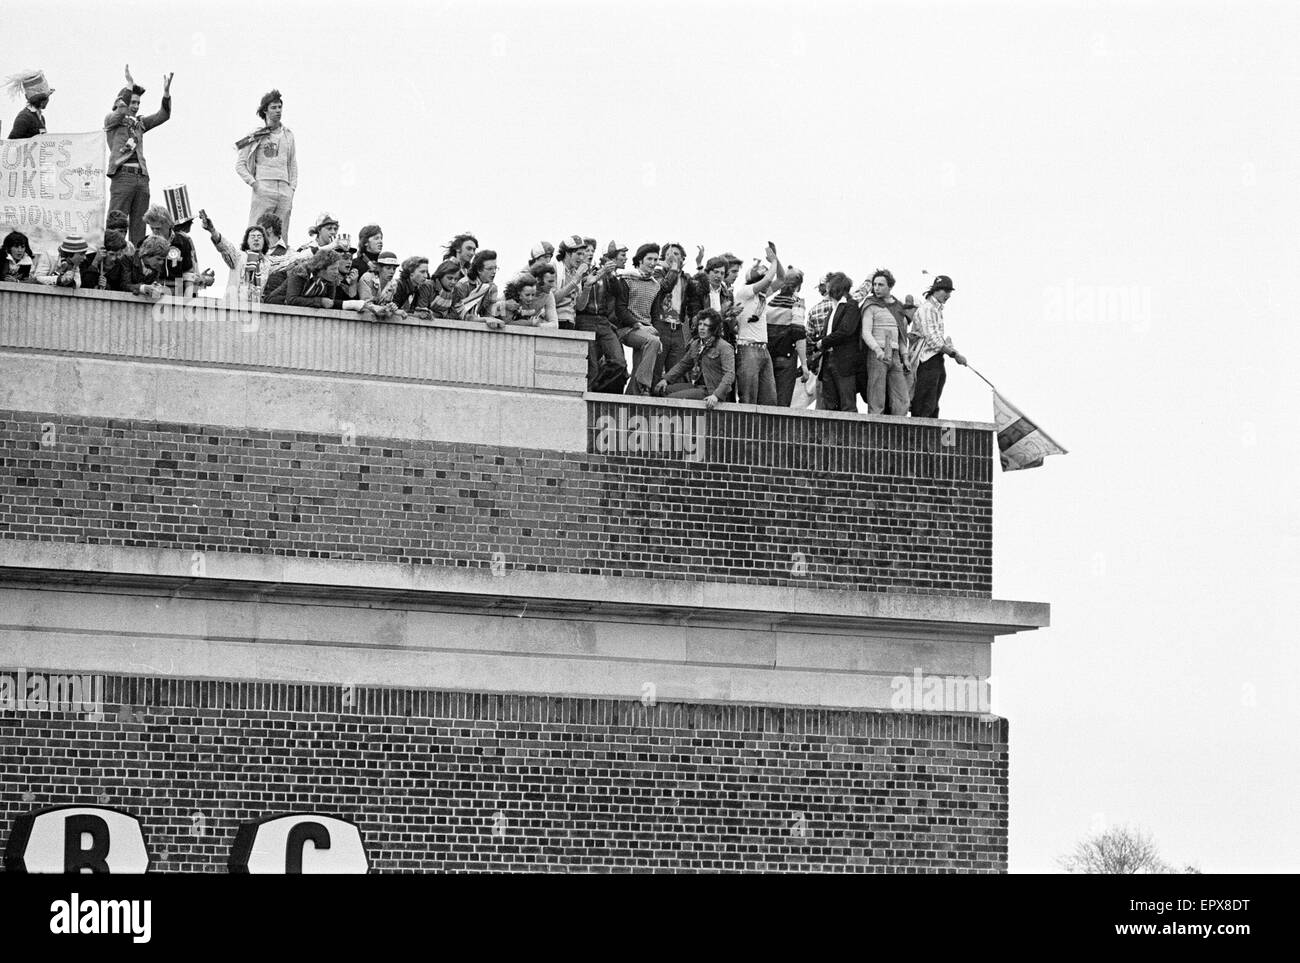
pixel 268 163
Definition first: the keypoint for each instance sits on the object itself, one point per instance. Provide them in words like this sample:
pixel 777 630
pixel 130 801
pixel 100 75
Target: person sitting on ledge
pixel 436 297
pixel 476 295
pixel 709 365
pixel 461 249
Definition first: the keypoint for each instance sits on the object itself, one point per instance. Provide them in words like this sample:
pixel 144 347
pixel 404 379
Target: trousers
pixel 887 382
pixel 272 197
pixel 606 345
pixel 128 192
pixel 755 383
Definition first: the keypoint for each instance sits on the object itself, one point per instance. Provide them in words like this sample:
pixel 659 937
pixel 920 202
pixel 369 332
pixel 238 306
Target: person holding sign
pixel 128 173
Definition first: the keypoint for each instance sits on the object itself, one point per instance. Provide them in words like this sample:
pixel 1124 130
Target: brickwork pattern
pixel 580 784
pixel 774 512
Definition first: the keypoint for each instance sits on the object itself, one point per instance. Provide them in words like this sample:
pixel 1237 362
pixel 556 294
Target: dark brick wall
pixel 856 505
pixel 587 785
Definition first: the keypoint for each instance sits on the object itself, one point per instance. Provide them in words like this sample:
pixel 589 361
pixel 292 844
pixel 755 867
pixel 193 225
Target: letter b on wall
pixel 77 839
pixel 303 843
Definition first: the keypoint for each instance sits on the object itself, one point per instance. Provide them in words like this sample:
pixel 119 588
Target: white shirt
pixel 751 323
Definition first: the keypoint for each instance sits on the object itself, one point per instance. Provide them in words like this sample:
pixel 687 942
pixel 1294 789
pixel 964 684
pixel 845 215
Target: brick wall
pixel 842 504
pixel 592 785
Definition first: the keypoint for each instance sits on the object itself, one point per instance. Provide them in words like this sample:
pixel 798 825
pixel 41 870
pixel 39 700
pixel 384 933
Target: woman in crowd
pixel 370 244
pixel 413 273
pixel 252 250
pixel 522 305
pixel 708 367
pixel 476 295
pixel 437 299
pixel 18 263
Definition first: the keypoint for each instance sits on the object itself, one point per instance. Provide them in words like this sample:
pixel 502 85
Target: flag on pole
pixel 1022 443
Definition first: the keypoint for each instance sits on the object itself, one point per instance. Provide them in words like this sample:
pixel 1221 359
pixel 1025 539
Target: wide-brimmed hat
pixel 74 244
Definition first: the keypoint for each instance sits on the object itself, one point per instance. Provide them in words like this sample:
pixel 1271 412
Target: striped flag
pixel 1022 443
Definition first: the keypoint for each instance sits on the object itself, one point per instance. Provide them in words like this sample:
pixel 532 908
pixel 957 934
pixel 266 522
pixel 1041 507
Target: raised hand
pixel 167 83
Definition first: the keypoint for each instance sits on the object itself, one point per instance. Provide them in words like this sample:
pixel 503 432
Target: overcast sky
pixel 1113 189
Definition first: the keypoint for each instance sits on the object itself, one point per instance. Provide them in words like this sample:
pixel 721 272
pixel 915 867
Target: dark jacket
pixel 716 367
pixel 28 123
pixel 843 346
pixel 303 290
pixel 667 282
pixel 616 291
pixel 119 128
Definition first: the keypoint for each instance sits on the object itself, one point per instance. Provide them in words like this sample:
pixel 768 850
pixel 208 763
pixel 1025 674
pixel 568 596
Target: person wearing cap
pixel 755 380
pixel 374 284
pixel 571 276
pixel 323 233
pixel 268 163
pixel 128 172
pixel 640 288
pixel 74 269
pixel 844 365
pixel 541 253
pixel 884 331
pixel 929 345
pixel 31 119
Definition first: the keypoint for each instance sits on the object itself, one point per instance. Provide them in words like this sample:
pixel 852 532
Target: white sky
pixel 1113 189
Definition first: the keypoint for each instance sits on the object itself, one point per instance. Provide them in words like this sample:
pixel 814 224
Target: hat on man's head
pixel 322 219
pixel 31 83
pixel 541 249
pixel 389 259
pixel 648 248
pixel 571 243
pixel 941 282
pixel 613 249
pixel 74 244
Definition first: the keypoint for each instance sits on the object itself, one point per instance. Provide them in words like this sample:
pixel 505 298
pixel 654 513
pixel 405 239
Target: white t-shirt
pixel 751 322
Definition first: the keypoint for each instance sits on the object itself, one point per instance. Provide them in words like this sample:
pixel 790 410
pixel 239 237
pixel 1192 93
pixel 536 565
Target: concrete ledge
pixel 672 599
pixel 290 401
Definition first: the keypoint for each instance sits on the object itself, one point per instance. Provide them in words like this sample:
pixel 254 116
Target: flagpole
pixel 981 377
pixel 1010 402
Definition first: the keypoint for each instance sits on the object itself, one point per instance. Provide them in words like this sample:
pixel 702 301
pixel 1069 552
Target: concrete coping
pixel 20 559
pixel 789 412
pixel 242 307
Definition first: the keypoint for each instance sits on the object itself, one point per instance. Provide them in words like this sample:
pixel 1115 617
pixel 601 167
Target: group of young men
pixel 711 334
